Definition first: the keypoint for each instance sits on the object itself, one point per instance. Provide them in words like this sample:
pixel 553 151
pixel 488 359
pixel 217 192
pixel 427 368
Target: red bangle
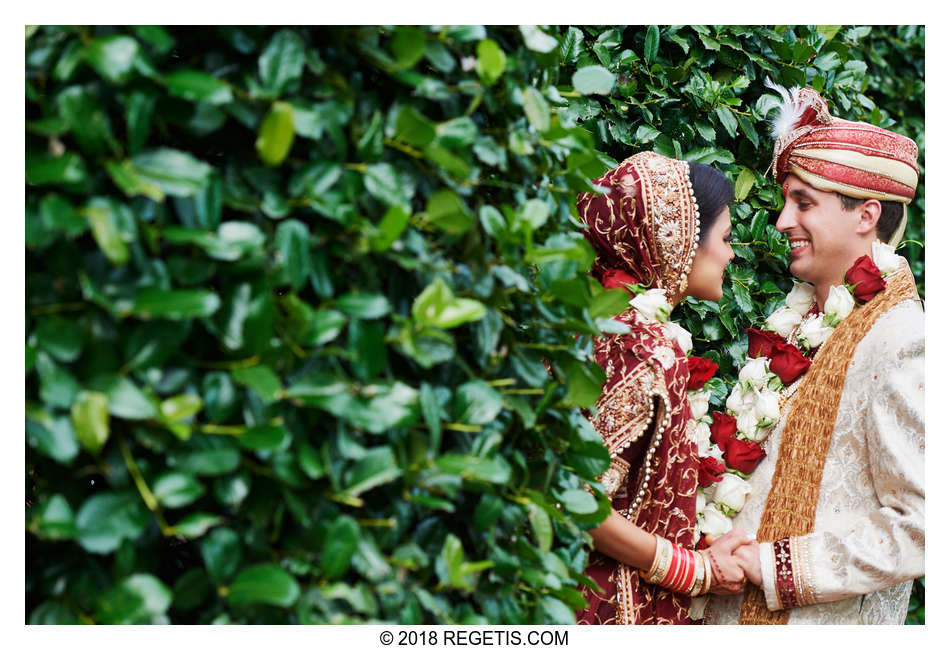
pixel 675 575
pixel 690 571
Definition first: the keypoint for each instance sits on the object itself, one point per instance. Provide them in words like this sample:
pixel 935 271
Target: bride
pixel 664 225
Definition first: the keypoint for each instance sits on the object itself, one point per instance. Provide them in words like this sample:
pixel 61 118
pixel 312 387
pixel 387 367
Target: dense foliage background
pixel 290 295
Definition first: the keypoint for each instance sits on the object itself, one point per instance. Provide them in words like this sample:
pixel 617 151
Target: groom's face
pixel 819 230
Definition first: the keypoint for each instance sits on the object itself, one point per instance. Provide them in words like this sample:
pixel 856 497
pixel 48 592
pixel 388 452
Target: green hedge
pixel 308 317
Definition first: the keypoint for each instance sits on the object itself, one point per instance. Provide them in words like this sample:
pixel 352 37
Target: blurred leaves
pixel 308 311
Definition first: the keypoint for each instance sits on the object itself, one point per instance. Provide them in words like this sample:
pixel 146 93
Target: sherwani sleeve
pixel 879 543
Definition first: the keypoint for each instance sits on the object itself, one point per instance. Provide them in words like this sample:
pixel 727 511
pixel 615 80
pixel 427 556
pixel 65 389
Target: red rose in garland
pixel 762 343
pixel 701 370
pixel 788 363
pixel 866 278
pixel 722 429
pixel 710 471
pixel 616 279
pixel 743 455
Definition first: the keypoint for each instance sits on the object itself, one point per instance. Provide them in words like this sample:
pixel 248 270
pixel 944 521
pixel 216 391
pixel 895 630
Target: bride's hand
pixel 728 574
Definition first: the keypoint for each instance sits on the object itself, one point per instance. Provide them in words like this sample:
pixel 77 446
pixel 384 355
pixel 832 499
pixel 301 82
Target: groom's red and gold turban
pixel 859 160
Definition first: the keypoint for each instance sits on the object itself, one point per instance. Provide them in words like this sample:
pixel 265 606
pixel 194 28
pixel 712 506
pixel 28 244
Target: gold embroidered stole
pixel 813 409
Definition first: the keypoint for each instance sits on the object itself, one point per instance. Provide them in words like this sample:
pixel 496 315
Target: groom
pixel 838 502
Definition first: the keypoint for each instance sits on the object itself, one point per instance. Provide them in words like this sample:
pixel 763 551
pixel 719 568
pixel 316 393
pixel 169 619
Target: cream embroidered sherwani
pixel 868 541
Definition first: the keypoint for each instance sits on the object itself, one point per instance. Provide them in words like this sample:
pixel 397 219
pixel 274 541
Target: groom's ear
pixel 870 212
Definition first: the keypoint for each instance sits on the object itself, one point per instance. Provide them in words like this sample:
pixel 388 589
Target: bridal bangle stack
pixel 679 569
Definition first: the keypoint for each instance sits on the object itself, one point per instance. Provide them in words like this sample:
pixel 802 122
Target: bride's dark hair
pixel 713 192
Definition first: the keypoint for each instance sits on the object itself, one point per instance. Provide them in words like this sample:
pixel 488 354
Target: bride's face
pixel 704 281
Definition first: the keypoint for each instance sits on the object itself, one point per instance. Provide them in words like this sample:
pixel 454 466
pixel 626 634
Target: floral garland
pixel 730 447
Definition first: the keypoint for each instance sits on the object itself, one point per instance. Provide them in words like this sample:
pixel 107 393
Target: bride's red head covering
pixel 646 224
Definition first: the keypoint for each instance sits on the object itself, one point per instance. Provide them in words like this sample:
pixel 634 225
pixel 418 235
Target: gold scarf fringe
pixel 793 498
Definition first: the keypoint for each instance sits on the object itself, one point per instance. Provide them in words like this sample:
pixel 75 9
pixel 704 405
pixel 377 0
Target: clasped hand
pixel 734 557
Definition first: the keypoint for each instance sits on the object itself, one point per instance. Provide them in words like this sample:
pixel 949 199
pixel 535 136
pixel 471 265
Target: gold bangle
pixel 662 560
pixel 707 585
pixel 700 576
pixel 656 558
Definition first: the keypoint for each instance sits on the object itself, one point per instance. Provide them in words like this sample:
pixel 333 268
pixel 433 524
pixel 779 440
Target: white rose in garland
pixel 732 492
pixel 698 402
pixel 747 423
pixel 680 335
pixel 839 304
pixel 800 298
pixel 700 500
pixel 740 400
pixel 755 372
pixel 766 406
pixel 652 305
pixel 886 260
pixel 783 321
pixel 702 434
pixel 714 522
pixel 813 332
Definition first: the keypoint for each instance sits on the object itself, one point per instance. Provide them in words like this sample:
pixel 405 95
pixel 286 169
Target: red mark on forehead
pixel 785 189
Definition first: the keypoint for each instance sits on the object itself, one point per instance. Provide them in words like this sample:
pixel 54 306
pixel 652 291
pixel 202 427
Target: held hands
pixel 733 557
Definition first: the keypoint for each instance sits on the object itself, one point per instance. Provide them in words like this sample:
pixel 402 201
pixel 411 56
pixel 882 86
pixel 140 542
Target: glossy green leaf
pixel 537 40
pixel 340 546
pixel 62 339
pixel 376 468
pixel 651 44
pixel 744 183
pixel 491 61
pixel 414 128
pixel 221 551
pixel 90 416
pixel 363 305
pixel 263 437
pixel 196 524
pixel 176 489
pixel 276 135
pixel 408 45
pixel 140 598
pixel 282 61
pixel 175 172
pixel 436 306
pixel 261 379
pixel 106 231
pixel 108 518
pixel 198 86
pixel 448 212
pixel 473 468
pixel 293 251
pixel 113 56
pixel 54 519
pixel 593 80
pixel 537 109
pixel 264 583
